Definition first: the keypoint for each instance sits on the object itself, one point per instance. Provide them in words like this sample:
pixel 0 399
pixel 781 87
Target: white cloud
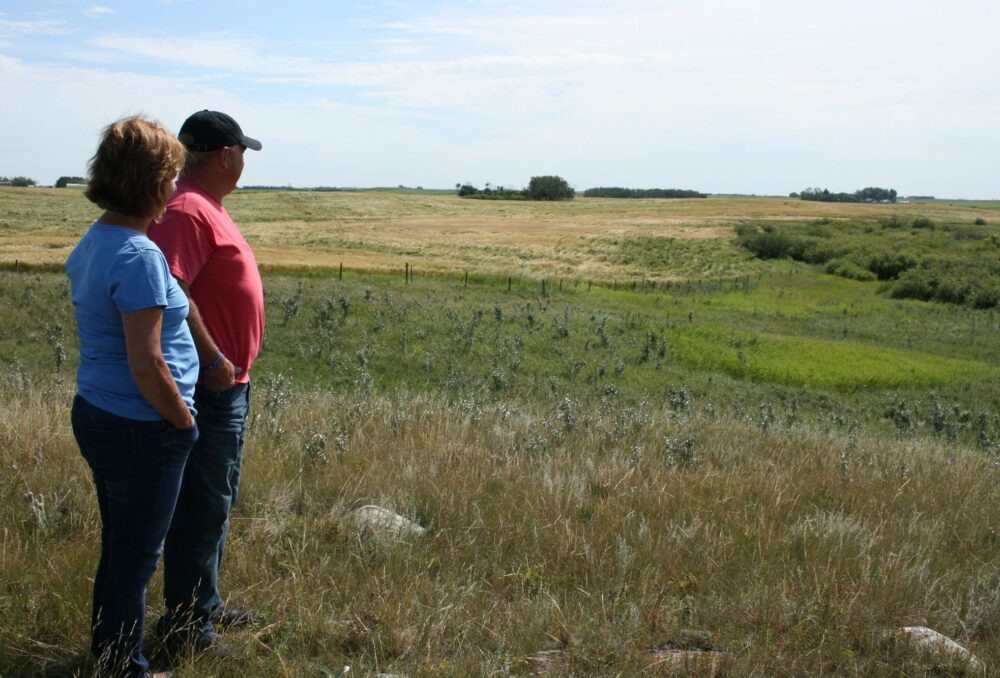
pixel 51 117
pixel 39 27
pixel 96 11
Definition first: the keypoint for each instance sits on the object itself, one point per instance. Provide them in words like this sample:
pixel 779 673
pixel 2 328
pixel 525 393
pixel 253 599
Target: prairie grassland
pixel 592 238
pixel 566 537
pixel 752 457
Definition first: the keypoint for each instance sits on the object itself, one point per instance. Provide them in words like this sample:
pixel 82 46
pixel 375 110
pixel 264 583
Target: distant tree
pixel 619 192
pixel 61 182
pixel 876 193
pixel 22 182
pixel 549 187
pixel 467 189
pixel 870 194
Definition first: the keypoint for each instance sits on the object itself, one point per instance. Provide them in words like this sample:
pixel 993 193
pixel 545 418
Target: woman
pixel 133 413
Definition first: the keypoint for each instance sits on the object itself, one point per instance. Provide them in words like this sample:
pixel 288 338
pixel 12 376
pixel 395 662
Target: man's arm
pixel 223 375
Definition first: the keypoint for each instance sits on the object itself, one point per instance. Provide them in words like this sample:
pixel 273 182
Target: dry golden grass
pixel 585 538
pixel 384 231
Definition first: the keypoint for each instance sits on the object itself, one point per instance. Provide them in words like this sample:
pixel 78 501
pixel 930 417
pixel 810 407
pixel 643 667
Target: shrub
pixel 888 265
pixel 846 268
pixel 767 243
pixel 974 285
pixel 987 296
pixel 924 222
pixel 979 221
pixel 914 284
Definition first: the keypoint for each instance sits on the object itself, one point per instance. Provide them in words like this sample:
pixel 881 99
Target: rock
pixel 692 662
pixel 689 650
pixel 547 661
pixel 933 642
pixel 384 523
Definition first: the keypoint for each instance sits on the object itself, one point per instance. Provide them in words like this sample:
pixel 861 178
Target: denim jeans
pixel 137 468
pixel 197 536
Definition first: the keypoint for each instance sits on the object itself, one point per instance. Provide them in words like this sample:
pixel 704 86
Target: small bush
pixel 846 268
pixel 924 222
pixel 888 265
pixel 767 243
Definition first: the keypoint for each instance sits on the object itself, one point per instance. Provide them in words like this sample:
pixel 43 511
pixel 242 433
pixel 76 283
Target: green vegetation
pixel 870 194
pixel 919 258
pixel 62 182
pixel 490 192
pixel 618 192
pixel 549 187
pixel 539 188
pixel 18 182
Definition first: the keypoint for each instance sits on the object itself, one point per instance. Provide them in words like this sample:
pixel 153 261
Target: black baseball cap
pixel 210 130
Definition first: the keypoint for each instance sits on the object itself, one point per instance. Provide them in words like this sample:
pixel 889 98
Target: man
pixel 216 268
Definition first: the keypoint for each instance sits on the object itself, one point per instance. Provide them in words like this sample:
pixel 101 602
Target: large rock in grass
pixel 930 641
pixel 384 524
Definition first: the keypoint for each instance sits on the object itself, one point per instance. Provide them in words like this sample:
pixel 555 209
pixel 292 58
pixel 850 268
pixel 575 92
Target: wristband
pixel 215 363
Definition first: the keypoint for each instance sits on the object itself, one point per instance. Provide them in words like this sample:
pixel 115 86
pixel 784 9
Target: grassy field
pixel 625 434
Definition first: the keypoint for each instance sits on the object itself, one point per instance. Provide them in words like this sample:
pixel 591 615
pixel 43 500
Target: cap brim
pixel 251 143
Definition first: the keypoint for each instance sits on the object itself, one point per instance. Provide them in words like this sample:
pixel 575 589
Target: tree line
pixel 548 187
pixel 19 182
pixel 869 194
pixel 619 192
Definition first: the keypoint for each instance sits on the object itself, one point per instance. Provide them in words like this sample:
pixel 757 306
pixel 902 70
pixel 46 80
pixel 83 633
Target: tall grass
pixel 592 533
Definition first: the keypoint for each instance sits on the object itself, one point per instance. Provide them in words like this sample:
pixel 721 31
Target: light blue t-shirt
pixel 114 270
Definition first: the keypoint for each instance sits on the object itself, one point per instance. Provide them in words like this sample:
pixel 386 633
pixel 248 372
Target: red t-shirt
pixel 206 251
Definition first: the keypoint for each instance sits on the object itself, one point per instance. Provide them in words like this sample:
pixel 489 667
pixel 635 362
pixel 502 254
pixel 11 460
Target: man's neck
pixel 208 184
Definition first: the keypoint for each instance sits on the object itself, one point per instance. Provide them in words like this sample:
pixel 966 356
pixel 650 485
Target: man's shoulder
pixel 188 199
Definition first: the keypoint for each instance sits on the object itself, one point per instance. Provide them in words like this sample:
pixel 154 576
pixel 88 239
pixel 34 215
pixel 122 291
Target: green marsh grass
pixel 818 362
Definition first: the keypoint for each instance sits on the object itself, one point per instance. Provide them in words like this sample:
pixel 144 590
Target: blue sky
pixel 763 97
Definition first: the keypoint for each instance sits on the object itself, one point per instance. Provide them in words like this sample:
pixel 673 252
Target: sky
pixel 722 96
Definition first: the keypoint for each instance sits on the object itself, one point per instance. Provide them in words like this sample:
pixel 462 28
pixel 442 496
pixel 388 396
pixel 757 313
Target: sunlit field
pixel 636 447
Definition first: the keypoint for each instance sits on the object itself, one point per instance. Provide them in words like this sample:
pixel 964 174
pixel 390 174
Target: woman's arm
pixel 149 369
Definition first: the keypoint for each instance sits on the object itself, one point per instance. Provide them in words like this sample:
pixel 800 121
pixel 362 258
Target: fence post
pixel 340 276
pixel 466 278
pixel 509 280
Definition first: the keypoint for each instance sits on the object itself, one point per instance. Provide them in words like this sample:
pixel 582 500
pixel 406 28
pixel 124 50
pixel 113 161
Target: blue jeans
pixel 137 468
pixel 197 536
